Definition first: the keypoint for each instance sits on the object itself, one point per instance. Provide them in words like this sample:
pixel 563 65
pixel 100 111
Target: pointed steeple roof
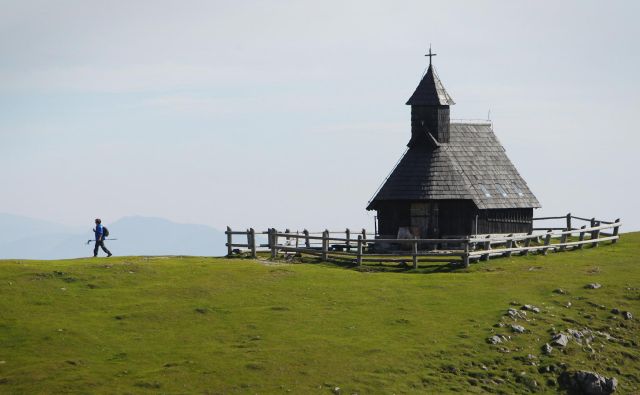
pixel 430 91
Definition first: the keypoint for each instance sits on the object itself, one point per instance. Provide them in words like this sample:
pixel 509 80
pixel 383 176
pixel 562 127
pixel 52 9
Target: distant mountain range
pixel 26 238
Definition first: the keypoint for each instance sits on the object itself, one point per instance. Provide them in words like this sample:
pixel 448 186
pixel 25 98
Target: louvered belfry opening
pixel 454 180
pixel 429 119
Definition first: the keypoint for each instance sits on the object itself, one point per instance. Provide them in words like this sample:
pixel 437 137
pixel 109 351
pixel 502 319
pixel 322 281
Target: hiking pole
pixel 92 240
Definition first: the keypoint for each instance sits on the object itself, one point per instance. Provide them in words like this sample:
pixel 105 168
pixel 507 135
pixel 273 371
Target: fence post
pixel 297 238
pixel 252 243
pixel 563 239
pixel 307 243
pixel 581 237
pixel 569 222
pixel 615 230
pixel 596 235
pixel 547 240
pixel 364 235
pixel 509 245
pixel 273 241
pixel 229 239
pixel 487 247
pixel 325 245
pixel 527 243
pixel 348 237
pixel 287 238
pixel 465 256
pixel 359 256
pixel 415 252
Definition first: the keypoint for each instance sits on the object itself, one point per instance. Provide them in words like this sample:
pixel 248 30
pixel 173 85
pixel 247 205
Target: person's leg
pixel 104 248
pixel 95 249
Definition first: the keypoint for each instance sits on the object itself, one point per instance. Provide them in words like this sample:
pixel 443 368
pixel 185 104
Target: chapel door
pixel 420 219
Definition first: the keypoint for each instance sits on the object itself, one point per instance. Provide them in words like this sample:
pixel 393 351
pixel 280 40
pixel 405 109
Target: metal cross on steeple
pixel 430 55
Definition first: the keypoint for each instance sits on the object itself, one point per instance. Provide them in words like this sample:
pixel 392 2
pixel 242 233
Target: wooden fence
pixel 361 247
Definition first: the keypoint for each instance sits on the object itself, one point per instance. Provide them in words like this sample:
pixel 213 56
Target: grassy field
pixel 221 326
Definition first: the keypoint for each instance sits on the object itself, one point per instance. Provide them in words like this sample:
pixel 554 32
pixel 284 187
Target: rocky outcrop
pixel 588 383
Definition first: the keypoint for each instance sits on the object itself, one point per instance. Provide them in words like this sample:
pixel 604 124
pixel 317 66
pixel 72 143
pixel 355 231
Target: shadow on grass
pixel 394 267
pixel 424 267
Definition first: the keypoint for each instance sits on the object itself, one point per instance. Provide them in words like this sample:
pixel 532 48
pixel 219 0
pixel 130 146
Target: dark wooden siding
pixel 456 217
pixel 512 220
pixel 392 216
pixel 449 218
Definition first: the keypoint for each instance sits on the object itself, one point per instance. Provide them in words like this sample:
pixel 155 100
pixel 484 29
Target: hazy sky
pixel 291 113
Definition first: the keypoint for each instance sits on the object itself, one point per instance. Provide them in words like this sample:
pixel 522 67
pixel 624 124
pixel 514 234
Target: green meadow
pixel 183 325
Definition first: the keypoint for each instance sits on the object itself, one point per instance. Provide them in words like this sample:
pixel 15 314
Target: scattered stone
pixel 577 335
pixel 484 367
pixel 593 286
pixel 530 308
pixel 560 340
pixel 337 390
pixel 528 381
pixel 615 311
pixel 567 305
pixel 497 339
pixel 531 356
pixel 450 369
pixel 605 335
pixel 627 315
pixel 547 369
pixel 559 291
pixel 547 349
pixel 515 314
pixel 518 328
pixel 585 336
pixel 588 383
pixel 499 325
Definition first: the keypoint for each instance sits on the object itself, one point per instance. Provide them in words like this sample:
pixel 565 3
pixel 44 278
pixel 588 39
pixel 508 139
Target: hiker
pixel 100 236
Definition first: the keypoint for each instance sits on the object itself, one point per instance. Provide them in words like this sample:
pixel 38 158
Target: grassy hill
pixel 214 325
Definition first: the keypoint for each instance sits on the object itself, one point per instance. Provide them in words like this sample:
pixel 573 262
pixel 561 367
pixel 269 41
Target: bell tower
pixel 430 109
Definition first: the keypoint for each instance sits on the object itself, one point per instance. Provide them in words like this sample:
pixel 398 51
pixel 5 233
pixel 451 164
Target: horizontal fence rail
pixel 364 246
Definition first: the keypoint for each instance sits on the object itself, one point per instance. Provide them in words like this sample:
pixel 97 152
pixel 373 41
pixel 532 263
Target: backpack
pixel 105 232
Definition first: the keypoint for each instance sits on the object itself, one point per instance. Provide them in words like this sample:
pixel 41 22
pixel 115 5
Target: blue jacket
pixel 99 231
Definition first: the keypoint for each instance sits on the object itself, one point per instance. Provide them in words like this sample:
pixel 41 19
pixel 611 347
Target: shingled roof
pixel 430 91
pixel 472 165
